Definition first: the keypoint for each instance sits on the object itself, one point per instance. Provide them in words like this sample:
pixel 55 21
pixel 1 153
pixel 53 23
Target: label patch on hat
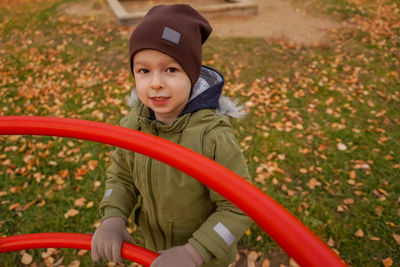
pixel 171 35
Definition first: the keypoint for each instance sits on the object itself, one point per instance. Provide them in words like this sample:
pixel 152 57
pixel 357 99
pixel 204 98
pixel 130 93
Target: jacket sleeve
pixel 223 228
pixel 119 196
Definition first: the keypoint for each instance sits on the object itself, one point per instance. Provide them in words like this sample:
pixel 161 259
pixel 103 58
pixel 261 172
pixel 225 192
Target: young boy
pixel 181 101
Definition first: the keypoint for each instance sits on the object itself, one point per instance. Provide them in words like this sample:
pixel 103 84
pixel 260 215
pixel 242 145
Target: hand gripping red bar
pixel 296 239
pixel 71 240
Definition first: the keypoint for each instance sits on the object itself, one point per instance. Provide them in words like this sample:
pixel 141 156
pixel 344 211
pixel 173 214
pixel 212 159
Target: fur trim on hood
pixel 209 83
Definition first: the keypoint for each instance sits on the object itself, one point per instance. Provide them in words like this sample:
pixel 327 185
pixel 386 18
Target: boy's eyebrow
pixel 144 63
pixel 139 63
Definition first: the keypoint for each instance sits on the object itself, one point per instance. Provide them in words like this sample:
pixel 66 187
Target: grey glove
pixel 180 256
pixel 108 238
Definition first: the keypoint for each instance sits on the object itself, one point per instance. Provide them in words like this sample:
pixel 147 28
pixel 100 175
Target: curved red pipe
pixel 71 240
pixel 296 239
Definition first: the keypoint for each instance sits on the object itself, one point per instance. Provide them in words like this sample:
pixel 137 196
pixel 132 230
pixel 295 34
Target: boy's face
pixel 161 84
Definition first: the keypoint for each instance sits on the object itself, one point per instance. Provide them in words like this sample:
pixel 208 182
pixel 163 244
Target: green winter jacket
pixel 175 208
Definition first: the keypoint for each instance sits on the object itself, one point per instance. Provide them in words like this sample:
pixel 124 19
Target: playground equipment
pixel 296 239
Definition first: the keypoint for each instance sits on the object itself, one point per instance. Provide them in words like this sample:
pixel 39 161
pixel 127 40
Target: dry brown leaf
pixel 352 175
pixel 90 204
pixel 266 263
pixel 28 205
pixel 303 170
pixel 71 213
pixel 293 263
pixel 82 252
pixel 75 263
pixel 49 260
pixel 16 189
pixel 396 238
pixel 312 183
pixel 42 203
pixel 330 242
pixel 341 147
pixel 80 202
pixel 329 101
pixel 348 201
pixel 340 208
pixel 60 260
pixel 26 258
pixel 15 206
pixel 359 233
pixel 387 262
pixel 63 173
pixel 252 258
pixel 92 164
pixel 96 185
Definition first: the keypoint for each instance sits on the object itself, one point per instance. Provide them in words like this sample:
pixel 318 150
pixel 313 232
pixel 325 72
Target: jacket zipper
pixel 151 192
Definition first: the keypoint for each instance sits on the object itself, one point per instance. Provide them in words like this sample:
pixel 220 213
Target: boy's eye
pixel 143 71
pixel 172 69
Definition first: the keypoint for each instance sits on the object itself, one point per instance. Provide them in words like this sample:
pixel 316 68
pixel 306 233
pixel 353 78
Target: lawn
pixel 322 136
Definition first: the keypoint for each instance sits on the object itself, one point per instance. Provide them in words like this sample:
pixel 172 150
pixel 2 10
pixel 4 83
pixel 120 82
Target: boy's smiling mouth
pixel 159 100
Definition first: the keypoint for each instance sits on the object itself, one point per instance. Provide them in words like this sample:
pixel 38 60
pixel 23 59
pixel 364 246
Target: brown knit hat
pixel 176 30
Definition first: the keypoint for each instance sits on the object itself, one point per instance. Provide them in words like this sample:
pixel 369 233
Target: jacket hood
pixel 206 94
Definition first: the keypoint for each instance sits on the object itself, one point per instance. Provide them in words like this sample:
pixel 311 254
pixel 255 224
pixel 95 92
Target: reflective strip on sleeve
pixel 107 193
pixel 223 232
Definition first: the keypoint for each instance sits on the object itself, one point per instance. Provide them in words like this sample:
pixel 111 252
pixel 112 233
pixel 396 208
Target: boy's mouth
pixel 159 100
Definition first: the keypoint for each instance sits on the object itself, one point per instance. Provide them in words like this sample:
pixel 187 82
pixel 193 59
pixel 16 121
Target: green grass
pixel 305 102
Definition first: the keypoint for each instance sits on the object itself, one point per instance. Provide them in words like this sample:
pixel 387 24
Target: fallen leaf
pixel 348 201
pixel 329 101
pixel 341 147
pixel 266 263
pixel 80 202
pixel 340 208
pixel 312 183
pixel 28 205
pixel 397 238
pixel 252 258
pixel 58 262
pixel 96 185
pixel 26 258
pixel 359 233
pixel 15 206
pixel 82 252
pixel 42 203
pixel 248 232
pixel 330 242
pixel 71 213
pixel 16 189
pixel 75 263
pixel 292 263
pixel 303 170
pixel 387 262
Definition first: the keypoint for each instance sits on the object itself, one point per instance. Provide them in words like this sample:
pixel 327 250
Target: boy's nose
pixel 156 82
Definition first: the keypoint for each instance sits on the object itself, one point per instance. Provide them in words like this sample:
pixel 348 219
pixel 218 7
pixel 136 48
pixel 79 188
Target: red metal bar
pixel 71 240
pixel 296 239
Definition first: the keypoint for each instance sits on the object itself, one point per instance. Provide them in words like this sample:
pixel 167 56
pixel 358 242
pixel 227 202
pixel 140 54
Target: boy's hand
pixel 108 238
pixel 180 256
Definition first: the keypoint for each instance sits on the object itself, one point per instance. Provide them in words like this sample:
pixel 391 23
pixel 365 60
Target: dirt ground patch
pixel 275 20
